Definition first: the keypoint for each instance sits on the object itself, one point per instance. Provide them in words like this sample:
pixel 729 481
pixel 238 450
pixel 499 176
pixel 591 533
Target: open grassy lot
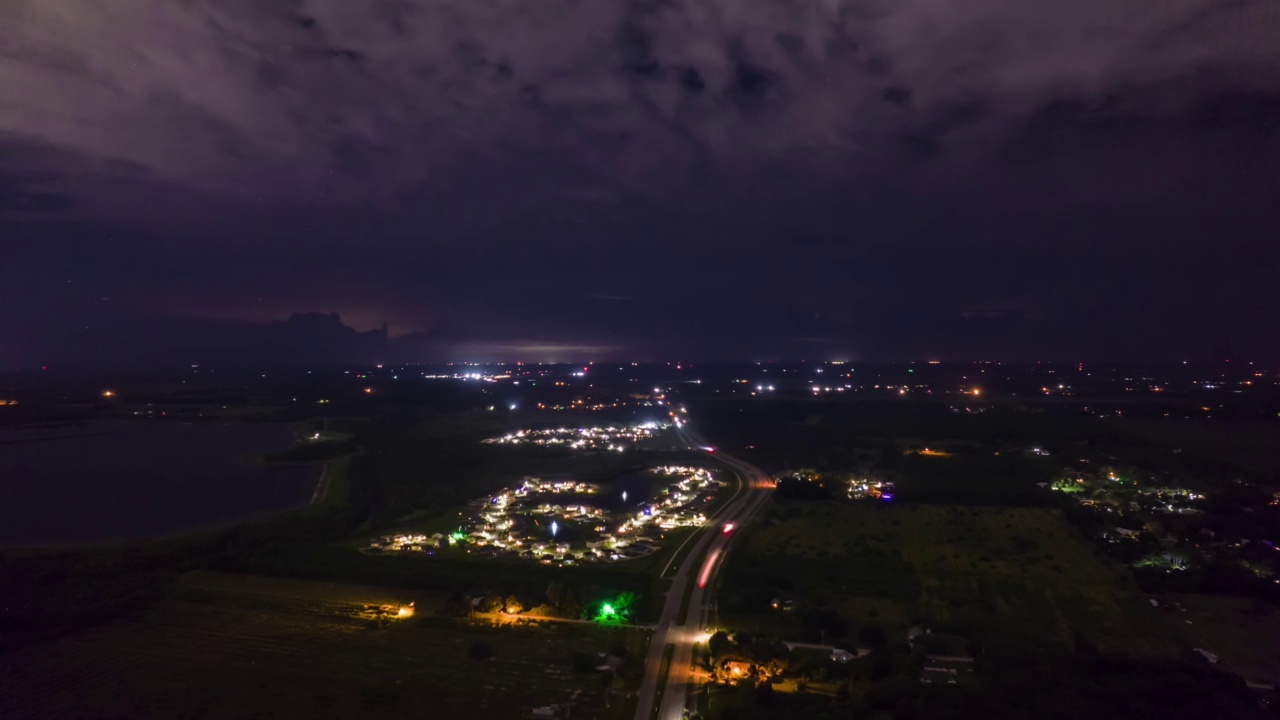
pixel 1240 632
pixel 240 646
pixel 790 432
pixel 974 478
pixel 1014 575
pixel 1208 447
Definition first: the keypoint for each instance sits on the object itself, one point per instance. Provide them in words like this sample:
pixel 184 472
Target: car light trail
pixel 707 567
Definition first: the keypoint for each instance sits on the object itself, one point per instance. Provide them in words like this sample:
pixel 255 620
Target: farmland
pixel 223 645
pixel 1015 575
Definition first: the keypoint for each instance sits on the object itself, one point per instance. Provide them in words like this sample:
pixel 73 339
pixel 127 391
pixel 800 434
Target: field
pixel 974 478
pixel 836 434
pixel 253 647
pixel 1013 575
pixel 1243 634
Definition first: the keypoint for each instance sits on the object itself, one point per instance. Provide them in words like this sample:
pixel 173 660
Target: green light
pixel 607 609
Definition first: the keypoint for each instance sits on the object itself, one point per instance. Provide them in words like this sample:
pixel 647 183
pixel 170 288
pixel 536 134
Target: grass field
pixel 976 477
pixel 253 647
pixel 1240 632
pixel 1012 574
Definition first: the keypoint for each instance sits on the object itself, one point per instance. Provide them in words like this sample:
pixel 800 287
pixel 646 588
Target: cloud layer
pixel 324 96
pixel 589 171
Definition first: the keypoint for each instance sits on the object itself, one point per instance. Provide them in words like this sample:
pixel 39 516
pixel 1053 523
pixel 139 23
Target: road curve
pixel 695 578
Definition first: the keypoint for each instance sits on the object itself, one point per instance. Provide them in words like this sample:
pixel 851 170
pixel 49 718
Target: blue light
pixel 887 496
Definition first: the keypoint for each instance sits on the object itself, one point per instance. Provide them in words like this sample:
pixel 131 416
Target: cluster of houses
pixel 860 489
pixel 608 437
pixel 563 521
pixel 1110 492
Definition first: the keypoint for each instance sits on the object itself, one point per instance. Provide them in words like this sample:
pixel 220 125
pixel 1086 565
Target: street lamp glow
pixel 624 496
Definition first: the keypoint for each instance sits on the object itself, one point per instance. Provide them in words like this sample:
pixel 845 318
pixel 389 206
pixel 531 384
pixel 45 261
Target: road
pixel 695 578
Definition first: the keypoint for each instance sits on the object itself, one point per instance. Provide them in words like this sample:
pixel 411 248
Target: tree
pixel 457 605
pixel 719 644
pixel 569 606
pixel 513 604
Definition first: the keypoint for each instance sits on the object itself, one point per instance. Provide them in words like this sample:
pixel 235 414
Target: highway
pixel 695 578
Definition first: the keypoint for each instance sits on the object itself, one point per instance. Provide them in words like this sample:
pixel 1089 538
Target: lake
pixel 128 480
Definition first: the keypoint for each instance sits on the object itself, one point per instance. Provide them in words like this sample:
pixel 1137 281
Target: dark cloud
pixel 692 80
pixel 497 163
pixel 896 94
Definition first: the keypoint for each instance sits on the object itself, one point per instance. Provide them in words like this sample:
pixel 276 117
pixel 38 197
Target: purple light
pixel 887 496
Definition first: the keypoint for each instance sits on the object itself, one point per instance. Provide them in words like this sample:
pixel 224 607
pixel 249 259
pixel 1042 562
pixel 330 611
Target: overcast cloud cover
pixel 710 178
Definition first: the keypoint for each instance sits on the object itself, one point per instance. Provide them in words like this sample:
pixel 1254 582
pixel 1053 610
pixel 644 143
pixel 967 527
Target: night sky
pixel 573 179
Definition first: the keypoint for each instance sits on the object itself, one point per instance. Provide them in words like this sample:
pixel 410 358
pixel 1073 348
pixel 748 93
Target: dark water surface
pixel 126 480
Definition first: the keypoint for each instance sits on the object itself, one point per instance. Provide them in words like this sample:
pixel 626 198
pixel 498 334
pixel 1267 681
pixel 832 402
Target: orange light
pixel 368 391
pixel 977 392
